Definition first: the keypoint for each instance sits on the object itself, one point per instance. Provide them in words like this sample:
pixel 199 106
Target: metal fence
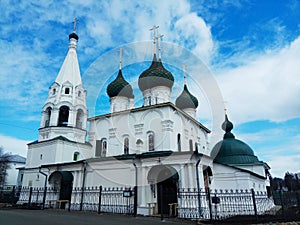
pixel 99 199
pixel 221 204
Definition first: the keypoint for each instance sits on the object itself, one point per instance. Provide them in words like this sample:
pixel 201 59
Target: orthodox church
pixel 158 147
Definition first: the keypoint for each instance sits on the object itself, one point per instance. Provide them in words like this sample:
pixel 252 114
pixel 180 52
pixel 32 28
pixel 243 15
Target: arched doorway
pixel 62 181
pixel 166 180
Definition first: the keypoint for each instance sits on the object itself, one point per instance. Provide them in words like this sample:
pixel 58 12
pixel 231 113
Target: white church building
pixel 159 148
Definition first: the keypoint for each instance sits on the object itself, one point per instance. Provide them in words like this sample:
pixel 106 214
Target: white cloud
pixel 13 145
pixel 282 164
pixel 265 87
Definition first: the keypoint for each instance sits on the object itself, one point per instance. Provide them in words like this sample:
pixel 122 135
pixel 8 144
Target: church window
pixel 79 93
pixel 75 156
pixel 79 118
pixel 196 146
pixel 151 142
pixel 126 146
pixel 101 148
pixel 54 91
pixel 47 116
pixel 191 145
pixel 63 116
pixel 67 91
pixel 104 148
pixel 41 156
pixel 179 142
pixel 149 99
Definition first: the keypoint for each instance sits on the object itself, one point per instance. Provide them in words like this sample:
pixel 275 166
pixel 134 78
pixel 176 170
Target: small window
pixel 75 156
pixel 54 91
pixel 79 93
pixel 151 142
pixel 179 142
pixel 191 145
pixel 126 146
pixel 67 91
pixel 41 156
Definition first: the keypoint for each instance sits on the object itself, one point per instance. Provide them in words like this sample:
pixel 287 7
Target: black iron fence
pixel 99 199
pixel 191 203
pixel 221 204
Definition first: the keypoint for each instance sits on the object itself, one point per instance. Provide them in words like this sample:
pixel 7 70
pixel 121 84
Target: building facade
pixel 160 147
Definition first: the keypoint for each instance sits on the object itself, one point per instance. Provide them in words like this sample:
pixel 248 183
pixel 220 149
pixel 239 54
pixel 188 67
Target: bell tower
pixel 64 112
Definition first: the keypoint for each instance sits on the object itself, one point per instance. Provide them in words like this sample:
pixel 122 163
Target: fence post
pixel 99 203
pixel 209 204
pixel 135 200
pixel 254 203
pixel 44 197
pixel 30 194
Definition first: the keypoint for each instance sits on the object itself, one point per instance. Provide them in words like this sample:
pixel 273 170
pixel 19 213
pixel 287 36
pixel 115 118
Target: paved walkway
pixel 61 217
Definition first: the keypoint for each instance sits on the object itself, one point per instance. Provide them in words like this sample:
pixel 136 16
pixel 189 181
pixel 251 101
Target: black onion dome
pixel 119 87
pixel 73 35
pixel 186 100
pixel 155 75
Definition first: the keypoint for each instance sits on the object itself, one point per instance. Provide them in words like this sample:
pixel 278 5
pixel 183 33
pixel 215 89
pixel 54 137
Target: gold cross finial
pixel 154 36
pixel 74 24
pixel 121 49
pixel 159 39
pixel 184 73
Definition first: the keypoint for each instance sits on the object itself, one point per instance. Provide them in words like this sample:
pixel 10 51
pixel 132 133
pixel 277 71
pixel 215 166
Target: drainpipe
pixel 45 186
pixel 198 183
pixel 83 184
pixel 135 188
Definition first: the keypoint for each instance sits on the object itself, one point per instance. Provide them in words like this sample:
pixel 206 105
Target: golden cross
pixel 74 24
pixel 121 49
pixel 184 73
pixel 154 36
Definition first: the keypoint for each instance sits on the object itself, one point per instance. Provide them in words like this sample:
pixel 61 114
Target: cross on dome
pixel 74 24
pixel 184 73
pixel 154 36
pixel 121 49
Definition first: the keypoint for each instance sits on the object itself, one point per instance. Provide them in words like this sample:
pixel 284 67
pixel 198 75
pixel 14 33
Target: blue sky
pixel 252 49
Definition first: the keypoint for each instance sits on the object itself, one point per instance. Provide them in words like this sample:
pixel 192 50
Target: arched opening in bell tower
pixel 47 116
pixel 79 118
pixel 63 116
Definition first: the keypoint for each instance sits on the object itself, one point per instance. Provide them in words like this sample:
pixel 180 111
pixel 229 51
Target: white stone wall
pixel 165 123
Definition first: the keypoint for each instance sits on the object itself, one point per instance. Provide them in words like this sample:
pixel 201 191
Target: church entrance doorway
pixel 166 179
pixel 63 182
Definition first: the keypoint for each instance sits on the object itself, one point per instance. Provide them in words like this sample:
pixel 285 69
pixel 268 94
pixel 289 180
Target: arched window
pixel 191 145
pixel 47 116
pixel 126 146
pixel 79 118
pixel 196 146
pixel 178 142
pixel 151 142
pixel 75 156
pixel 54 91
pixel 63 116
pixel 104 148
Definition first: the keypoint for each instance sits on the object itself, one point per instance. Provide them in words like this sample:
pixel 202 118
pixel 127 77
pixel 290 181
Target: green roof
pixel 155 75
pixel 231 151
pixel 186 100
